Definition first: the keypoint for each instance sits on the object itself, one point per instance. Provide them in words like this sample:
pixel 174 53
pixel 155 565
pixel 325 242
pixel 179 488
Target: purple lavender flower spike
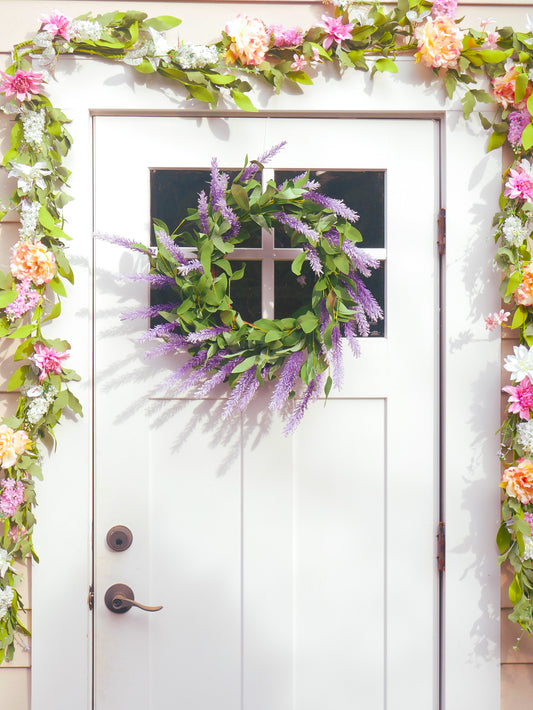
pixel 244 390
pixel 155 280
pixel 313 258
pixel 184 370
pixel 351 335
pixel 230 216
pixel 202 212
pixel 149 312
pixel 323 317
pixel 336 357
pixel 219 184
pixel 120 241
pixel 219 376
pixel 367 301
pixel 172 248
pixel 332 235
pixel 362 261
pixel 191 265
pixel 294 223
pixel 287 378
pixel 336 206
pixel 157 331
pixel 169 348
pixel 252 168
pixel 300 408
pixel 207 333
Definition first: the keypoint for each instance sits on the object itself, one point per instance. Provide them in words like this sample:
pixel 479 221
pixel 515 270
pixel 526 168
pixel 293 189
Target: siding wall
pixel 18 20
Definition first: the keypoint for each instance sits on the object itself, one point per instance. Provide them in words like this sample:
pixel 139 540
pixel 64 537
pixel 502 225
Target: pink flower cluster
pixel 32 261
pixel 22 84
pixel 12 497
pixel 48 360
pixel 504 88
pixel 518 120
pixel 12 445
pixel 444 7
pixel 25 301
pixel 285 36
pixel 495 319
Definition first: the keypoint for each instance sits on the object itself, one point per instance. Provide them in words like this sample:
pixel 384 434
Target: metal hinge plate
pixel 90 598
pixel 441 547
pixel 441 238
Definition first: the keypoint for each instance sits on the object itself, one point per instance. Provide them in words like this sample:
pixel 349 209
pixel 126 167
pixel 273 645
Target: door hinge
pixel 441 238
pixel 441 547
pixel 90 598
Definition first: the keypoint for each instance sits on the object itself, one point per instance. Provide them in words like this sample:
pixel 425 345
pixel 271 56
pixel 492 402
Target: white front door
pixel 294 573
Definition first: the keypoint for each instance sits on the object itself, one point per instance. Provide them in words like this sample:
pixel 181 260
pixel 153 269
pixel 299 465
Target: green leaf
pixel 241 197
pixel 23 331
pixel 515 590
pixel 495 141
pixel 300 77
pixel 57 285
pixel 145 67
pixel 18 378
pixel 162 23
pixel 246 364
pixel 200 93
pixel 494 56
pixel 221 79
pixel 327 386
pixel 521 83
pixel 273 335
pixel 296 266
pixel 242 101
pixel 519 317
pixel 74 404
pixel 24 350
pixel 513 283
pixel 308 322
pixel 450 82
pixel 386 64
pixel 469 102
pixel 45 218
pixel 527 137
pixel 7 297
pixel 503 538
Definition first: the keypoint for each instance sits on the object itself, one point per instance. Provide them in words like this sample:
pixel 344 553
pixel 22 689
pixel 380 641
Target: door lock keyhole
pixel 119 538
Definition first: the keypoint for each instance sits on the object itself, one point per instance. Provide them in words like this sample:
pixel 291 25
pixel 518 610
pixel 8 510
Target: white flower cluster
pixel 525 436
pixel 82 30
pixel 195 56
pixel 514 231
pixel 42 399
pixel 29 214
pixel 154 49
pixel 33 126
pixel 6 597
pixel 528 549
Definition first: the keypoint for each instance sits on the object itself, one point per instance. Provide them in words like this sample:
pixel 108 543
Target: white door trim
pixel 61 675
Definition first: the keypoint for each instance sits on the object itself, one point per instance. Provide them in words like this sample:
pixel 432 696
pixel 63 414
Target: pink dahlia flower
pixel 519 185
pixel 521 399
pixel 32 262
pixel 57 24
pixel 336 30
pixel 22 85
pixel 48 360
pixel 250 40
pixel 440 42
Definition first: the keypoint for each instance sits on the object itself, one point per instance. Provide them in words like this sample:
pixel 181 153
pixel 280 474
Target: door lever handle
pixel 119 599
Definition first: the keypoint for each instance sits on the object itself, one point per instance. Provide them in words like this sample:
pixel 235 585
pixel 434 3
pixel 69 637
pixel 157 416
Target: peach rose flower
pixel 439 42
pixel 32 262
pixel 250 40
pixel 8 455
pixel 504 88
pixel 524 293
pixel 518 481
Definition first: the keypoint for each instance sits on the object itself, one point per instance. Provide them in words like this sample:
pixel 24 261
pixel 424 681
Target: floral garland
pixel 202 319
pixel 31 293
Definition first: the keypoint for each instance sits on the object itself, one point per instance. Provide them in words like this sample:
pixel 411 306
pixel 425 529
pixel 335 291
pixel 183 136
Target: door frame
pixel 471 589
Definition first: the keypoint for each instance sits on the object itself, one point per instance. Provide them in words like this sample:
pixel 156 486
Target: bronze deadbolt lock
pixel 119 538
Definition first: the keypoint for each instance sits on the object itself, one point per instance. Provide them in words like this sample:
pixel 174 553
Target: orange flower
pixel 439 42
pixel 518 481
pixel 32 262
pixel 504 88
pixel 250 40
pixel 524 292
